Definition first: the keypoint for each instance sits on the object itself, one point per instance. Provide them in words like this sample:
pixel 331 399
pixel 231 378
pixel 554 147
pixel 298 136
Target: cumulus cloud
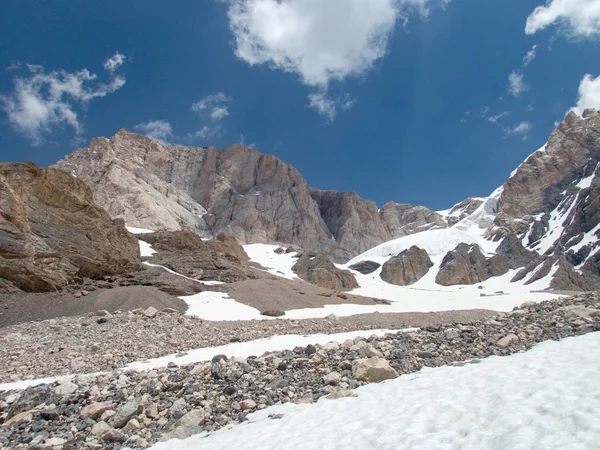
pixel 522 129
pixel 516 83
pixel 43 101
pixel 589 94
pixel 319 41
pixel 159 130
pixel 114 62
pixel 577 18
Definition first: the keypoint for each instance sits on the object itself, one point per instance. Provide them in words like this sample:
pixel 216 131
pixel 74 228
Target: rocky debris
pixel 401 219
pixel 81 344
pixel 467 265
pixel 52 232
pixel 406 268
pixel 317 268
pixel 177 401
pixel 365 267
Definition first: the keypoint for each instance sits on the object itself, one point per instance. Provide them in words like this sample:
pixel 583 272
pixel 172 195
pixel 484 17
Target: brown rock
pixel 52 232
pixel 319 270
pixel 407 267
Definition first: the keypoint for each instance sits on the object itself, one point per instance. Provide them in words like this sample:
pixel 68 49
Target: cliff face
pixel 256 197
pixel 52 232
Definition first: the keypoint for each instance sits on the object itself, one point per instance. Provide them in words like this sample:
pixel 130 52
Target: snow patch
pixel 276 264
pixel 134 230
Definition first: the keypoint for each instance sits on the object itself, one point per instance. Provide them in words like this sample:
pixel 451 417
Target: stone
pixel 100 428
pixel 338 393
pixel 113 435
pixel 247 404
pixel 507 340
pixel 467 265
pixel 332 378
pixel 373 369
pixel 66 389
pixel 151 312
pixel 452 333
pixel 178 409
pixel 365 267
pixel 94 410
pixel 125 413
pixel 40 255
pixel 407 267
pixel 273 313
pixel 194 417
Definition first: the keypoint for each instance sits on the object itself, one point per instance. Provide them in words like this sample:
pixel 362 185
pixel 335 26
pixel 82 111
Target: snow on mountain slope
pixel 546 398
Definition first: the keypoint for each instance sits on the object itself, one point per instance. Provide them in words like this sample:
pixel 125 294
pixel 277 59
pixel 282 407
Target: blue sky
pixel 404 100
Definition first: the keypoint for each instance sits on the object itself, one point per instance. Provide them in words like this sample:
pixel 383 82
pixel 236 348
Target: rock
pixel 452 333
pixel 373 369
pixel 194 417
pixel 55 442
pixel 507 340
pixel 401 219
pixel 100 428
pixel 467 265
pixel 29 398
pixel 95 410
pixel 332 378
pixel 365 267
pixel 125 413
pixel 247 404
pixel 319 270
pixel 151 312
pixel 114 436
pixel 406 268
pixel 178 409
pixel 38 254
pixel 273 313
pixel 66 389
pixel 338 393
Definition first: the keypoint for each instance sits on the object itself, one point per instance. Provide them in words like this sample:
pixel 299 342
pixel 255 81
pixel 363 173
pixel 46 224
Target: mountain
pixel 256 197
pixel 542 223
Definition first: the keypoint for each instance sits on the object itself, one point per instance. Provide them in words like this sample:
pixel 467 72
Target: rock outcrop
pixel 467 265
pixel 401 219
pixel 52 232
pixel 317 268
pixel 220 259
pixel 407 267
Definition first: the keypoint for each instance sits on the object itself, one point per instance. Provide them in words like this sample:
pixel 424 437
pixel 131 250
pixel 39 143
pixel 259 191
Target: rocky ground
pixel 107 341
pixel 134 409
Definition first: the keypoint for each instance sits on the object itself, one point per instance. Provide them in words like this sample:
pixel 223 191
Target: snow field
pixel 546 398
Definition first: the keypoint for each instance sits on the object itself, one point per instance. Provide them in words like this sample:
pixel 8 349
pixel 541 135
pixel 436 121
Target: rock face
pixel 319 270
pixel 407 267
pixel 401 219
pixel 219 259
pixel 52 232
pixel 467 265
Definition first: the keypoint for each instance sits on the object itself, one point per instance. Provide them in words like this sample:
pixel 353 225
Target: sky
pixel 416 101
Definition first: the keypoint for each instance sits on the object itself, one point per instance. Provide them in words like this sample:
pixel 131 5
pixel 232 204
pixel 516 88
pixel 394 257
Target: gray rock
pixel 125 413
pixel 95 410
pixel 373 369
pixel 66 389
pixel 365 267
pixel 338 393
pixel 406 268
pixel 319 270
pixel 507 340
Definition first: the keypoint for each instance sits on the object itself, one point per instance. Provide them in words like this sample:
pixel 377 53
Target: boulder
pixel 373 369
pixel 52 232
pixel 365 267
pixel 467 265
pixel 407 267
pixel 317 268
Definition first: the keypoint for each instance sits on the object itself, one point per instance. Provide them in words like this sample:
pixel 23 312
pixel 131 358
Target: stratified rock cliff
pixel 52 232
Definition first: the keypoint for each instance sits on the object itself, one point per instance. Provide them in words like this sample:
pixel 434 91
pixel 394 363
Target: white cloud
pixel 577 18
pixel 159 130
pixel 213 107
pixel 495 118
pixel 206 132
pixel 323 105
pixel 516 84
pixel 522 130
pixel 114 62
pixel 42 101
pixel 320 41
pixel 530 56
pixel 589 94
